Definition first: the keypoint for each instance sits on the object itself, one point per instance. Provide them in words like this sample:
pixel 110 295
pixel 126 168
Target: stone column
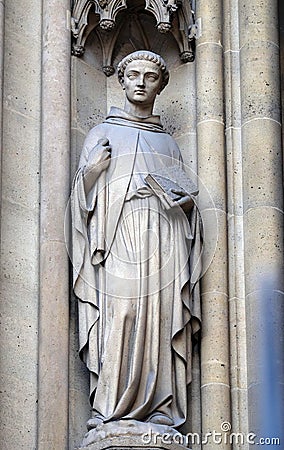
pixel 215 393
pixel 20 222
pixel 2 22
pixel 262 182
pixel 238 360
pixel 55 186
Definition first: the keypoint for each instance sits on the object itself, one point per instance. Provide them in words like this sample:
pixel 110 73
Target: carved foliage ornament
pixel 175 16
pixel 163 11
pixel 106 10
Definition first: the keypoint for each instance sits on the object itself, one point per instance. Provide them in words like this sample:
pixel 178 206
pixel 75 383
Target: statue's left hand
pixel 185 201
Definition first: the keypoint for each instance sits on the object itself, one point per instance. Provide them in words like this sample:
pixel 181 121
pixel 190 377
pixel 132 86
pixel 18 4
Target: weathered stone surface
pixel 176 106
pixel 211 166
pixel 263 248
pixel 19 142
pixel 212 21
pixel 215 252
pixel 54 265
pixel 129 444
pixel 210 83
pixel 258 22
pixel 262 172
pixel 260 85
pixel 128 434
pixel 262 191
pixel 89 95
pixel 210 135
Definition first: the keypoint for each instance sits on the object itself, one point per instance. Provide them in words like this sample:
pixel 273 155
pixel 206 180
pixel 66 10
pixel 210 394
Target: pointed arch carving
pixel 107 18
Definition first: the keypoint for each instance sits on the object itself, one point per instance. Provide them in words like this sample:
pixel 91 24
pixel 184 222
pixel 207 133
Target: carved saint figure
pixel 135 261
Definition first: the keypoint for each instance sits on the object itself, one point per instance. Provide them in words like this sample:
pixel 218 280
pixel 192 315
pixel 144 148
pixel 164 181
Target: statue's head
pixel 144 55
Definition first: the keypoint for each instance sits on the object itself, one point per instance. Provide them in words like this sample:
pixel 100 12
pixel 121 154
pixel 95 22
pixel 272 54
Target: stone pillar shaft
pixel 238 372
pixel 2 23
pixel 215 394
pixel 20 222
pixel 262 179
pixel 55 186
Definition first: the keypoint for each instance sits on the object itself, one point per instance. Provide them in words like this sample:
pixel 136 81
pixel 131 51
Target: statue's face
pixel 142 82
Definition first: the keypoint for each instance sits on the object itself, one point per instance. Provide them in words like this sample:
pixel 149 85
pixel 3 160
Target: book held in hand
pixel 172 184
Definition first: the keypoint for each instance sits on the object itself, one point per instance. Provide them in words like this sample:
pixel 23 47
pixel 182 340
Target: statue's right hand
pixel 99 156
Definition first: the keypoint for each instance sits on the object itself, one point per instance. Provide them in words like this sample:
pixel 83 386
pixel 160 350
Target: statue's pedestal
pixel 129 444
pixel 129 434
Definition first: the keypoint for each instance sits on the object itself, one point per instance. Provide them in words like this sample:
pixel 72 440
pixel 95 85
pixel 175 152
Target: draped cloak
pixel 136 269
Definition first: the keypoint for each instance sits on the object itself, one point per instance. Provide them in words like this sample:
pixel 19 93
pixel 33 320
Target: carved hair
pixel 144 55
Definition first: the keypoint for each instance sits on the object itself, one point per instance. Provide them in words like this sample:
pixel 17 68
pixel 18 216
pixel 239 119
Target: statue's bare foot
pixel 160 419
pixel 94 422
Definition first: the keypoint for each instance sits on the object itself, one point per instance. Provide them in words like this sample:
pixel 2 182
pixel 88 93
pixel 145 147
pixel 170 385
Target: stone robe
pixel 136 270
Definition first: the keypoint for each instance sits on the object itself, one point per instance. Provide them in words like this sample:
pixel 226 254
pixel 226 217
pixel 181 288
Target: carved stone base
pixel 129 444
pixel 129 434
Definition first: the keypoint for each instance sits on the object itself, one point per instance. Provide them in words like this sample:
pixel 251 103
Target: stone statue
pixel 136 262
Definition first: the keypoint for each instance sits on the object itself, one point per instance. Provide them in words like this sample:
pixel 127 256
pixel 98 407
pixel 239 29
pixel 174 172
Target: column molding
pixel 215 389
pixel 2 28
pixel 54 265
pixel 237 312
pixel 262 195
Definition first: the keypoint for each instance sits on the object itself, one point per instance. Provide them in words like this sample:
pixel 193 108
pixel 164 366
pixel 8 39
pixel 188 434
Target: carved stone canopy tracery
pixel 107 17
